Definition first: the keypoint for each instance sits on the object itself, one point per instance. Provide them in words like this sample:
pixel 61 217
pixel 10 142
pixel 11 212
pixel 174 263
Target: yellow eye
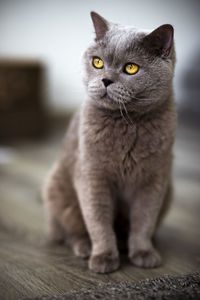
pixel 131 68
pixel 97 62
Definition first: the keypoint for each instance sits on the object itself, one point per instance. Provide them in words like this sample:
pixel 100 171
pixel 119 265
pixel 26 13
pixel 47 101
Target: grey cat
pixel 115 168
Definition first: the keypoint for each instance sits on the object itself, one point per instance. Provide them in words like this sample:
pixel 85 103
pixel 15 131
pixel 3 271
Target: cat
pixel 117 157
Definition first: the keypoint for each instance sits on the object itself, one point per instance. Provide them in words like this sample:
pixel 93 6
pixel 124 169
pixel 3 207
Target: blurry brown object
pixel 21 107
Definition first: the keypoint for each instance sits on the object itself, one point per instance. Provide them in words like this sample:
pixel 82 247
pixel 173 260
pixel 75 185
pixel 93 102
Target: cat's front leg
pixel 145 209
pixel 97 208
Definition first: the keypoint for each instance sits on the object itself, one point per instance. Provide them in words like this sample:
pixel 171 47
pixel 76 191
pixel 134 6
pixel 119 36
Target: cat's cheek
pixel 118 93
pixel 96 94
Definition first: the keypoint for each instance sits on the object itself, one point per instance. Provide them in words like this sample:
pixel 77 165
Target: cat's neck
pixel 96 113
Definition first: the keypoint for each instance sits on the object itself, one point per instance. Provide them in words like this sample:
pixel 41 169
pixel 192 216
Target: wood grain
pixel 29 267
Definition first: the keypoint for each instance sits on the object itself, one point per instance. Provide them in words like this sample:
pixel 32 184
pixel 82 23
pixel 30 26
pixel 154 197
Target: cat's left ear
pixel 160 40
pixel 101 25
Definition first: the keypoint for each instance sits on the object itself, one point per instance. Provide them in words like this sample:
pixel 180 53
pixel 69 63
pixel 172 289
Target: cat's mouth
pixel 111 101
pixel 107 97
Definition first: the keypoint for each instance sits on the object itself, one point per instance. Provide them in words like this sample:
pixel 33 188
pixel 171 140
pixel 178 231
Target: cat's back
pixel 71 142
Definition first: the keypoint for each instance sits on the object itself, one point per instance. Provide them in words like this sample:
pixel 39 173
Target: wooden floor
pixel 29 267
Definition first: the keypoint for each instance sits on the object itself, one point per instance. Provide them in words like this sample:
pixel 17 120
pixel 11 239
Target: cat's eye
pixel 131 68
pixel 97 63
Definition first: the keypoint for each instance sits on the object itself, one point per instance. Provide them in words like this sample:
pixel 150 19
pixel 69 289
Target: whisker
pixel 127 114
pixel 123 117
pixel 142 99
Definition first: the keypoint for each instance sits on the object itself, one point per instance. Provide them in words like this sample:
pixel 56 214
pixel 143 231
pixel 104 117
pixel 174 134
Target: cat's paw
pixel 148 258
pixel 82 248
pixel 104 263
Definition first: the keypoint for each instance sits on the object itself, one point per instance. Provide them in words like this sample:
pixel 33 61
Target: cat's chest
pixel 124 147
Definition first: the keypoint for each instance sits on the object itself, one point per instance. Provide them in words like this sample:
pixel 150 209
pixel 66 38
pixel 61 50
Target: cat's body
pixel 116 163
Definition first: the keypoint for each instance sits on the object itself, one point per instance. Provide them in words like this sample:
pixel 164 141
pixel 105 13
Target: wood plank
pixel 29 267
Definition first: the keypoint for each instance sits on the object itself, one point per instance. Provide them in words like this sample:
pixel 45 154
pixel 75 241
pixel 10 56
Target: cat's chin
pixel 107 98
pixel 104 101
pixel 107 102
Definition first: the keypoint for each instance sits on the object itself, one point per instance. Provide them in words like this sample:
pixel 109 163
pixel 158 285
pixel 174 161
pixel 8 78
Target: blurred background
pixel 54 34
pixel 41 45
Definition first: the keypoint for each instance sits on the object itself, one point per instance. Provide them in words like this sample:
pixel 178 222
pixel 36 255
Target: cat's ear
pixel 160 40
pixel 101 26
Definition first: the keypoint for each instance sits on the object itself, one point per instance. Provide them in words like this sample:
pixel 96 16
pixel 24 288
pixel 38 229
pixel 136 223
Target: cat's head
pixel 129 69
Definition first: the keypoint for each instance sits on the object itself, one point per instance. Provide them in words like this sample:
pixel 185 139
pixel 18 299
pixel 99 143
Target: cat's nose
pixel 107 82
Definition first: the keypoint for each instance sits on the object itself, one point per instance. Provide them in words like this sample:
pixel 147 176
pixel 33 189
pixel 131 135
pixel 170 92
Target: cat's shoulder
pixel 72 132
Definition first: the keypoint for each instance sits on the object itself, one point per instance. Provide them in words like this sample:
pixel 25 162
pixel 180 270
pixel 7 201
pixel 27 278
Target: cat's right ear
pixel 101 26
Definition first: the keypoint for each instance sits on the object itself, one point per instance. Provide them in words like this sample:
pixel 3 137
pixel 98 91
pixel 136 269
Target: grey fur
pixel 116 161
